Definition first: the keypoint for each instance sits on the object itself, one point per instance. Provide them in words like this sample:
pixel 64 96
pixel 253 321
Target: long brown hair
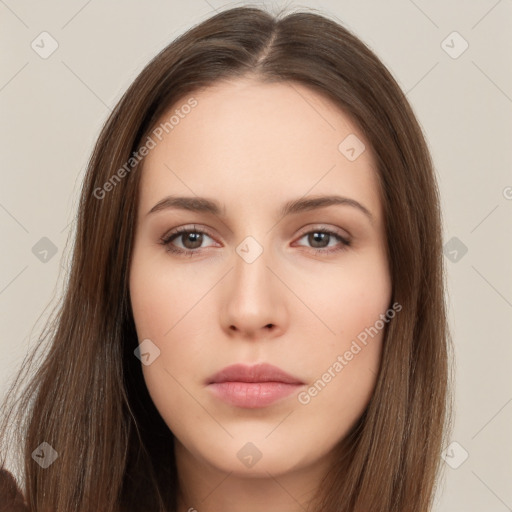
pixel 88 399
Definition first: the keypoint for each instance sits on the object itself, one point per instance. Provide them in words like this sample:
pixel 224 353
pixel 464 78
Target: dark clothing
pixel 11 498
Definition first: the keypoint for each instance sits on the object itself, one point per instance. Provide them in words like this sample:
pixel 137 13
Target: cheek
pixel 352 302
pixel 346 298
pixel 161 296
pixel 167 309
pixel 148 297
pixel 344 376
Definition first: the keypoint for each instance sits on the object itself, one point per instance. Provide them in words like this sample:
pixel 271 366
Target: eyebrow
pixel 295 206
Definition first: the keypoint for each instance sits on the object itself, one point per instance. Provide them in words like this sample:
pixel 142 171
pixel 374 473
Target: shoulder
pixel 11 498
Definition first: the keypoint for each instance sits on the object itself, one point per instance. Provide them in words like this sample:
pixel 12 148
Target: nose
pixel 254 300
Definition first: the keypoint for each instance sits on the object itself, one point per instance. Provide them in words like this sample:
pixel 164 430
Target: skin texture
pixel 252 147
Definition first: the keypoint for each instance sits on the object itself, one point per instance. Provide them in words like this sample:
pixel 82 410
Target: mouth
pixel 254 386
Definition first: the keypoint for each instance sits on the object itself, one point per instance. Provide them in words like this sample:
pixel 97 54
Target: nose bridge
pixel 253 300
pixel 251 275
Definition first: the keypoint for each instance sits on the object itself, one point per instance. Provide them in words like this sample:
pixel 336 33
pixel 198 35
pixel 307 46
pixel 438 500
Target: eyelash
pixel 168 238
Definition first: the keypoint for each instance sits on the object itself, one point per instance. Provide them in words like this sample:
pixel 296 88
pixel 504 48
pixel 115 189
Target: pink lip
pixel 252 386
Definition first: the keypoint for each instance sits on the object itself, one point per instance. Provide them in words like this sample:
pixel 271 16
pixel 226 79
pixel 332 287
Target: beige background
pixel 52 110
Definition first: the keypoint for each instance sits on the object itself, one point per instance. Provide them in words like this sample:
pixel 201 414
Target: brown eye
pixel 325 241
pixel 191 239
pixel 185 241
pixel 319 240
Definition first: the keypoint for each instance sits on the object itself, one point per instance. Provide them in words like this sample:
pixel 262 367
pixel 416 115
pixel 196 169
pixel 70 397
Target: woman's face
pixel 283 263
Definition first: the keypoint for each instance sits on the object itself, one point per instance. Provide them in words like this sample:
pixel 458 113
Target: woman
pixel 255 312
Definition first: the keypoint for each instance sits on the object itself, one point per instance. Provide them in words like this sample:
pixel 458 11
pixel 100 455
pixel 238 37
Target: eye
pixel 185 240
pixel 188 241
pixel 323 240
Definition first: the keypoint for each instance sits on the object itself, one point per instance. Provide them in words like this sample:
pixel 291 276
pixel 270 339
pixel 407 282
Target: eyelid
pixel 168 237
pixel 303 231
pixel 323 228
pixel 185 229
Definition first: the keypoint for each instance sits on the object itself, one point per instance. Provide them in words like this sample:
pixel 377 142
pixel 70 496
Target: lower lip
pixel 252 395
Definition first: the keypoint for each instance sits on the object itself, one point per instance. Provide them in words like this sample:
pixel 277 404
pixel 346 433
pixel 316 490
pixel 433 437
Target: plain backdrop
pixel 452 58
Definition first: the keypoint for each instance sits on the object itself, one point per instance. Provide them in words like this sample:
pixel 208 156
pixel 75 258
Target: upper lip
pixel 262 372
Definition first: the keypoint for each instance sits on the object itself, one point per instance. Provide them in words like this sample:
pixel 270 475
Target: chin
pixel 244 457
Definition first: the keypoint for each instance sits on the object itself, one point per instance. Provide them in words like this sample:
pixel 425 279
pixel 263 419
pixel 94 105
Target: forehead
pixel 246 140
